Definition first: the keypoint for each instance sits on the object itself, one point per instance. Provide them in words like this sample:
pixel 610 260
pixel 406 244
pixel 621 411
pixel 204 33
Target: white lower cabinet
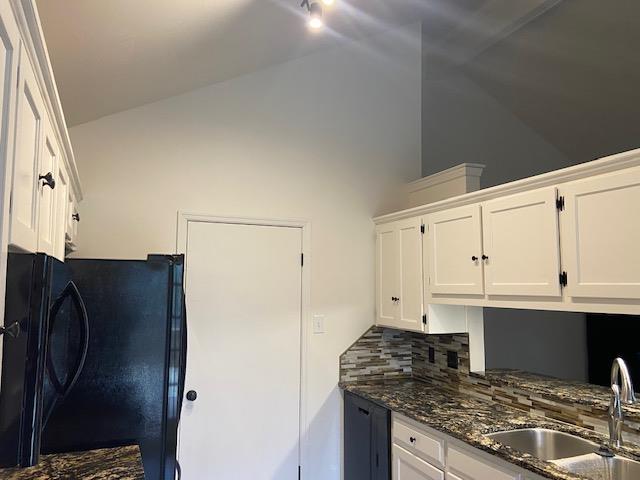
pixel 419 452
pixel 409 467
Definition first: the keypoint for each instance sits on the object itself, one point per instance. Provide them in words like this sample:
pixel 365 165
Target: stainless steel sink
pixel 545 444
pixel 601 468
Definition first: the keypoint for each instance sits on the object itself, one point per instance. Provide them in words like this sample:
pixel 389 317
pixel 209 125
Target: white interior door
pixel 243 294
pixel 522 243
pixel 455 253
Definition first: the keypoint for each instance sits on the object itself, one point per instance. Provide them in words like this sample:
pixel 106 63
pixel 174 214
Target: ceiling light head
pixel 315 12
pixel 328 3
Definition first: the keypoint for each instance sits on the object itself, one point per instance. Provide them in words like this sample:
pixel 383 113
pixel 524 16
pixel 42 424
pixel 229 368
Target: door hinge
pixel 302 259
pixel 563 279
pixel 560 203
pixel 422 228
pixel 424 319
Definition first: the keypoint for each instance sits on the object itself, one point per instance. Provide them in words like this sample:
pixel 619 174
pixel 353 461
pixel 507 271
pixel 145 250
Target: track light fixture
pixel 315 12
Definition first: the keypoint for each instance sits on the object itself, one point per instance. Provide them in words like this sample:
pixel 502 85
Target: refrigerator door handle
pixel 70 290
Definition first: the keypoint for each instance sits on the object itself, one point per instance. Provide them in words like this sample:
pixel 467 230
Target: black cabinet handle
pixel 76 217
pixel 192 395
pixel 484 257
pixel 395 299
pixel 362 410
pixel 474 259
pixel 48 180
pixel 412 439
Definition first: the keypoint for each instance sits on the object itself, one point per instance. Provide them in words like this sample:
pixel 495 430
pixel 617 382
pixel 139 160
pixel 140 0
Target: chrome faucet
pixel 620 393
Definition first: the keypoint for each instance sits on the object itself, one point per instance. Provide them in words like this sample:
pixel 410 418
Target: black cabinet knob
pixel 76 217
pixel 192 395
pixel 474 259
pixel 412 439
pixel 48 180
pixel 484 257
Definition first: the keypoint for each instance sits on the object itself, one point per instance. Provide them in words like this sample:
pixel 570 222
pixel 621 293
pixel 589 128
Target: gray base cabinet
pixel 367 440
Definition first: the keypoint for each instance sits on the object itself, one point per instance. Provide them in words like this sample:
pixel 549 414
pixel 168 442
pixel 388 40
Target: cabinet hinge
pixel 302 259
pixel 560 203
pixel 424 319
pixel 422 228
pixel 563 279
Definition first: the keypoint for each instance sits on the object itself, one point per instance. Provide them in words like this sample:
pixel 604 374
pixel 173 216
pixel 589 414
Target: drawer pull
pixel 412 439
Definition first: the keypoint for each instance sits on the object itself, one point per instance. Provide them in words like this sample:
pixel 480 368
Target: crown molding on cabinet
pixel 26 14
pixel 596 167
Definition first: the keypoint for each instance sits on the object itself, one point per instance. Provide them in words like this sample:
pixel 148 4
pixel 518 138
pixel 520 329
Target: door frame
pixel 183 219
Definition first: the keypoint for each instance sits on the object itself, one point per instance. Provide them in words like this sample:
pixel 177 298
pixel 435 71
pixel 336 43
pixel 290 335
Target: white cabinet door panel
pixel 61 212
pixel 410 303
pixel 28 145
pixel 455 238
pixel 387 273
pixel 409 467
pixel 521 241
pixel 46 192
pixel 601 235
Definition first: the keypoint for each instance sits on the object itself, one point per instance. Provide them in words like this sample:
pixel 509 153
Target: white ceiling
pixel 112 55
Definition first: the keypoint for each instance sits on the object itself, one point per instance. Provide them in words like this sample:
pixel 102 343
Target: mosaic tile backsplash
pixel 383 353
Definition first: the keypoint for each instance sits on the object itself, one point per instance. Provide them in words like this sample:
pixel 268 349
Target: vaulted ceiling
pixel 112 55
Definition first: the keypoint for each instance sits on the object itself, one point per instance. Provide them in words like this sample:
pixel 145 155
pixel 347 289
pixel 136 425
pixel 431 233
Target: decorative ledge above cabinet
pixel 40 175
pixel 565 240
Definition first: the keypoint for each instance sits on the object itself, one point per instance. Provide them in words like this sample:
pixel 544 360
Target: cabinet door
pixel 522 243
pixel 409 467
pixel 601 235
pixel 48 172
pixel 387 273
pixel 455 251
pixel 62 209
pixel 410 293
pixel 28 145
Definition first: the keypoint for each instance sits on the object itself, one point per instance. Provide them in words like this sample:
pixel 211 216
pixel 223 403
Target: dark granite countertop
pixel 468 419
pixel 122 463
pixel 555 389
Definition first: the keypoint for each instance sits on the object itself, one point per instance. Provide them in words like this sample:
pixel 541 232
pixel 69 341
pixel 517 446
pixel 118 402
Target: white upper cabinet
pixel 37 164
pixel 47 198
pixel 28 146
pixel 455 251
pixel 387 273
pixel 399 274
pixel 522 244
pixel 410 298
pixel 61 210
pixel 601 236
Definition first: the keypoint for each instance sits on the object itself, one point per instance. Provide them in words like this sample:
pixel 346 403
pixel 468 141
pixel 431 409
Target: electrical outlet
pixel 318 324
pixel 452 359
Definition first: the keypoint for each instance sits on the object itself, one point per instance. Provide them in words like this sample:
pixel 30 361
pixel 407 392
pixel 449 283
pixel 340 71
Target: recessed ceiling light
pixel 328 3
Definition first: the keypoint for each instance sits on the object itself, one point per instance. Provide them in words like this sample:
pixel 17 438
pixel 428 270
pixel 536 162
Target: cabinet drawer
pixel 409 467
pixel 418 442
pixel 469 467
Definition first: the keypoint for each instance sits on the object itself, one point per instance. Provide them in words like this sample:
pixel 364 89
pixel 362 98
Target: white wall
pixel 327 137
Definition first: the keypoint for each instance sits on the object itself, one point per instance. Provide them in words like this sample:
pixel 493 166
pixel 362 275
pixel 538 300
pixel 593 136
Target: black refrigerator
pixel 96 359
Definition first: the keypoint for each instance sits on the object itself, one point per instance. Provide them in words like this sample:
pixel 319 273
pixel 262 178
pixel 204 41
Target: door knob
pixel 192 395
pixel 48 180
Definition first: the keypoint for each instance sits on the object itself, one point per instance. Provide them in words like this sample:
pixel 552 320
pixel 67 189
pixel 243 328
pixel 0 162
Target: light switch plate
pixel 318 324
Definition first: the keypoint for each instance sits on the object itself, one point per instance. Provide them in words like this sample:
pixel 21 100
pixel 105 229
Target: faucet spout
pixel 620 393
